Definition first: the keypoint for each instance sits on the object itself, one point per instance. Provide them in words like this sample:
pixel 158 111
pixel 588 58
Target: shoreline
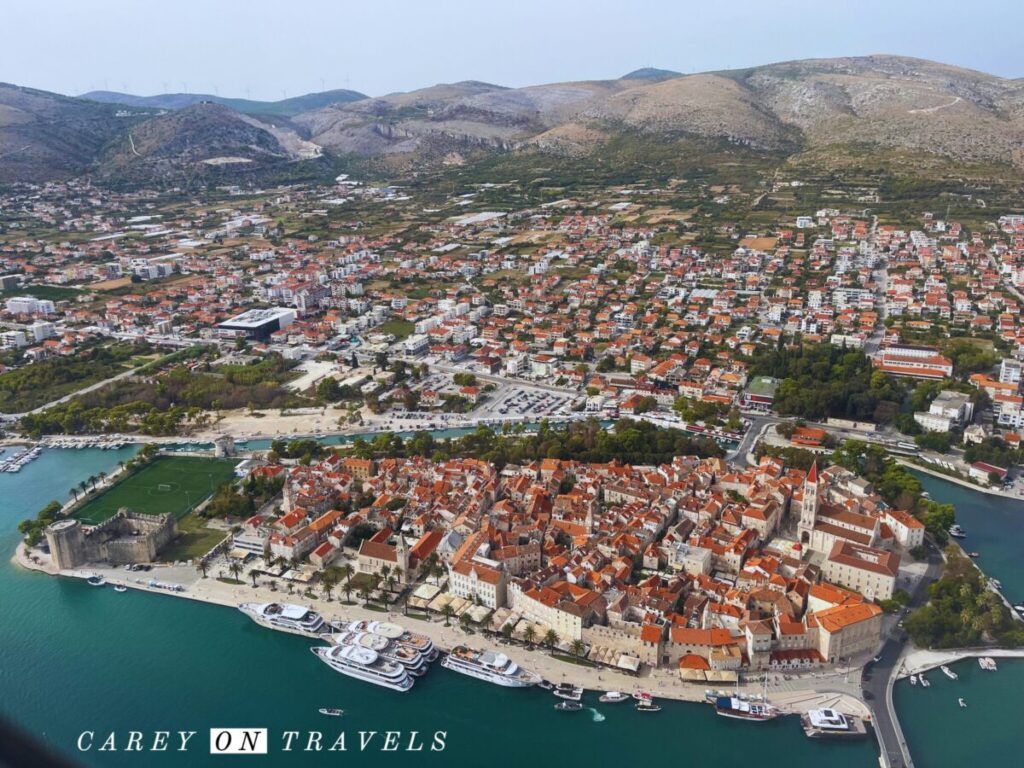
pixel 921 660
pixel 957 481
pixel 661 683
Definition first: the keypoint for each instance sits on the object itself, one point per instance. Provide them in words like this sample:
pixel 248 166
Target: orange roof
pixel 840 617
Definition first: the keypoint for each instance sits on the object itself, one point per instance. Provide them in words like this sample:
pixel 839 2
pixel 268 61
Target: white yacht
pixel 364 664
pixel 493 667
pixel 412 640
pixel 387 649
pixel 949 672
pixel 287 618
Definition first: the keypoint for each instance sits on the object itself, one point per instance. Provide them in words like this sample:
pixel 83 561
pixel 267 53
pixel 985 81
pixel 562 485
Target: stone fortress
pixel 126 537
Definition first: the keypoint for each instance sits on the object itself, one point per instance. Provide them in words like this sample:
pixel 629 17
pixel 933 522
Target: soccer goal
pixel 163 487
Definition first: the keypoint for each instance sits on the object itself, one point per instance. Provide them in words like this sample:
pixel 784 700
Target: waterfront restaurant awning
pixel 692 675
pixel 722 676
pixel 629 663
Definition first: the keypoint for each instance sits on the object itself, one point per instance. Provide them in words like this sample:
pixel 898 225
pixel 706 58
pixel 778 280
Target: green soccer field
pixel 172 484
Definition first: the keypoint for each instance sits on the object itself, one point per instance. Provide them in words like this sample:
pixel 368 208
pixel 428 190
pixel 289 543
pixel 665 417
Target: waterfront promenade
pixel 831 688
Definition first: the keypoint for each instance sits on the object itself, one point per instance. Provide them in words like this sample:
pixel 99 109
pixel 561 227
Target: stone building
pixel 126 537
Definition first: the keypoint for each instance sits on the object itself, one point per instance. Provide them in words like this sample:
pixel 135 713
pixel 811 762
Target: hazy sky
pixel 268 48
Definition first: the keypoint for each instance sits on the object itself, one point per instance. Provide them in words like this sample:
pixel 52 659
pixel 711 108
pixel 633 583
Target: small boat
pixel 642 696
pixel 995 585
pixel 925 682
pixel 948 672
pixel 568 692
pixel 647 706
pixel 957 532
pixel 1019 609
pixel 962 703
pixel 545 685
pixel 120 588
pixel 613 697
pixel 331 711
pixel 972 554
pixel 568 706
pixel 95 581
pixel 913 679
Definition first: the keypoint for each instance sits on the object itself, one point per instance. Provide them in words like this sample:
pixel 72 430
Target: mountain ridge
pixel 810 108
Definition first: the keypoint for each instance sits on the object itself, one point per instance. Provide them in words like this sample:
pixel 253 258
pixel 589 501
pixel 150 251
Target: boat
pixel 412 640
pixel 832 724
pixel 973 554
pixel 613 697
pixel 913 679
pixel 287 618
pixel 364 664
pixel 995 585
pixel 545 685
pixel 1019 608
pixel 738 709
pixel 988 664
pixel 948 672
pixel 961 702
pixel 568 706
pixel 925 683
pixel 957 532
pixel 642 696
pixel 647 705
pixel 390 650
pixel 120 588
pixel 568 691
pixel 490 666
pixel 96 581
pixel 331 712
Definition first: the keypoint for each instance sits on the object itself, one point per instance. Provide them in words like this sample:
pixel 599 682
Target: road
pixel 879 676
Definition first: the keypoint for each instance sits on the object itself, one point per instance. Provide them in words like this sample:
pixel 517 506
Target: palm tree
pixel 329 583
pixel 364 593
pixel 447 612
pixel 464 620
pixel 202 567
pixel 347 571
pixel 235 568
pixel 120 465
pixel 83 485
pixel 252 573
pixel 92 481
pixel 530 635
pixel 551 639
pixel 385 574
pixel 103 476
pixel 74 492
pixel 577 648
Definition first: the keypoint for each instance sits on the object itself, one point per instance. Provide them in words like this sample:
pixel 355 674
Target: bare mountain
pixel 201 135
pixel 44 135
pixel 281 108
pixel 888 102
pixel 816 111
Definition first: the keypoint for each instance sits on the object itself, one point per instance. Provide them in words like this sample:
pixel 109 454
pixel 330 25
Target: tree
pixel 464 621
pixel 252 574
pixel 551 639
pixel 577 648
pixel 447 612
pixel 235 568
pixel 202 567
pixel 347 571
pixel 74 492
pixel 530 635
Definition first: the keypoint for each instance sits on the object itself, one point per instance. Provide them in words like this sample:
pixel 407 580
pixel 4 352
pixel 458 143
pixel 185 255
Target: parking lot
pixel 513 401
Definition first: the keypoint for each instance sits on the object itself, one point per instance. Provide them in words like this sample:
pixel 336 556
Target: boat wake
pixel 596 716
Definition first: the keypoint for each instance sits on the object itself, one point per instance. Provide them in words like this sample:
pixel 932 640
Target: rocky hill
pixel 803 109
pixel 281 108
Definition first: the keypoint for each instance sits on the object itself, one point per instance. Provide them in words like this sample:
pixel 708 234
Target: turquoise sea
pixel 77 658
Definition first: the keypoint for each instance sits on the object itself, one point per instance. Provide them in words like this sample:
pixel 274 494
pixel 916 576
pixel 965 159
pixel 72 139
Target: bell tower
pixel 809 504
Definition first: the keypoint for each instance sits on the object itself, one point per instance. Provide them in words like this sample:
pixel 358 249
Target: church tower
pixel 809 504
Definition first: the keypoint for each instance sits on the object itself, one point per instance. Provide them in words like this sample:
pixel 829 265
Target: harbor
pixel 208 618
